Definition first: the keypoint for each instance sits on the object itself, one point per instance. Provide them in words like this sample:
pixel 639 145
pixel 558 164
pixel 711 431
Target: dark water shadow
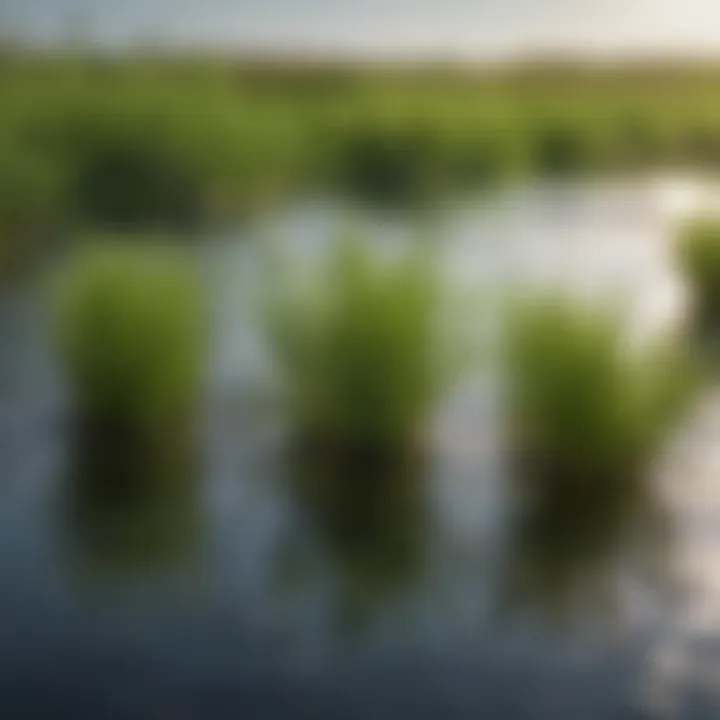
pixel 369 522
pixel 129 511
pixel 571 543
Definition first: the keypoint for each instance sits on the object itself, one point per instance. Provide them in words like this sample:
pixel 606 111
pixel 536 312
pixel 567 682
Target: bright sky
pixel 460 28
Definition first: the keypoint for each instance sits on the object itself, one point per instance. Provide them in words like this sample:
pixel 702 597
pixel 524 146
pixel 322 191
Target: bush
pixel 582 406
pixel 358 349
pixel 130 335
pixel 698 255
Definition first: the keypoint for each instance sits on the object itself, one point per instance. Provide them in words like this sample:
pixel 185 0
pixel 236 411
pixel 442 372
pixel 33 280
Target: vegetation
pixel 358 347
pixel 179 141
pixel 130 334
pixel 699 259
pixel 583 406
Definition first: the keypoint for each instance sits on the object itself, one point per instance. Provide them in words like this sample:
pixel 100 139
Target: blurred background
pixel 359 360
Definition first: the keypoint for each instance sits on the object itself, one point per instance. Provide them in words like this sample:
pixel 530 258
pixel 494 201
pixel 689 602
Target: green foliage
pixel 390 162
pixel 358 347
pixel 129 327
pixel 162 161
pixel 32 196
pixel 172 142
pixel 566 144
pixel 698 254
pixel 584 406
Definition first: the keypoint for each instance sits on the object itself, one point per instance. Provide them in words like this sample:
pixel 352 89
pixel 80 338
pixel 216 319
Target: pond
pixel 240 592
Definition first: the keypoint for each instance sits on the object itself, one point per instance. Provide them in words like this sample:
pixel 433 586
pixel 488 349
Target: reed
pixel 130 336
pixel 583 406
pixel 358 348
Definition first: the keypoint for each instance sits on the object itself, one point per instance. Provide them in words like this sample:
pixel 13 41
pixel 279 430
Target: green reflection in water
pixel 369 523
pixel 130 510
pixel 571 540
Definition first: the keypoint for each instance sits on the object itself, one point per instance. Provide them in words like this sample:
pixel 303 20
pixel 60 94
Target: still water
pixel 244 587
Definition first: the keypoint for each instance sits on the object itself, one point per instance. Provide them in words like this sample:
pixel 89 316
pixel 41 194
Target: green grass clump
pixel 583 406
pixel 167 163
pixel 358 348
pixel 129 327
pixel 171 142
pixel 698 255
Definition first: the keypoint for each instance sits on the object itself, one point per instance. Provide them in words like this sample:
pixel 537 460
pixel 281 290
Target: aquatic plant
pixel 358 348
pixel 160 162
pixel 698 255
pixel 130 335
pixel 582 405
pixel 176 141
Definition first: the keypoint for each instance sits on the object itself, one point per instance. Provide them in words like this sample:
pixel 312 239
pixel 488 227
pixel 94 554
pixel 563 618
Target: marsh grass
pixel 698 256
pixel 179 141
pixel 359 349
pixel 584 407
pixel 130 335
pixel 165 163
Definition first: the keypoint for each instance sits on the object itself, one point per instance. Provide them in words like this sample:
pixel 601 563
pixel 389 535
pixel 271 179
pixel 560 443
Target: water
pixel 248 589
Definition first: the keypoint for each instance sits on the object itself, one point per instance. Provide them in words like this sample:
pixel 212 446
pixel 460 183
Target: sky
pixel 438 28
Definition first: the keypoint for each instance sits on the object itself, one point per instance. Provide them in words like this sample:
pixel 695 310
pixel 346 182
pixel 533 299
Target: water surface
pixel 249 587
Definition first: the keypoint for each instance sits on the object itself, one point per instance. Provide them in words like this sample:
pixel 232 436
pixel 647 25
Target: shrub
pixel 698 255
pixel 582 405
pixel 130 336
pixel 358 349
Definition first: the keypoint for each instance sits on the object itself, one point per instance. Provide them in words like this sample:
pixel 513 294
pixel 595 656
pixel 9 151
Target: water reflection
pixel 128 510
pixel 573 544
pixel 358 545
pixel 368 528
